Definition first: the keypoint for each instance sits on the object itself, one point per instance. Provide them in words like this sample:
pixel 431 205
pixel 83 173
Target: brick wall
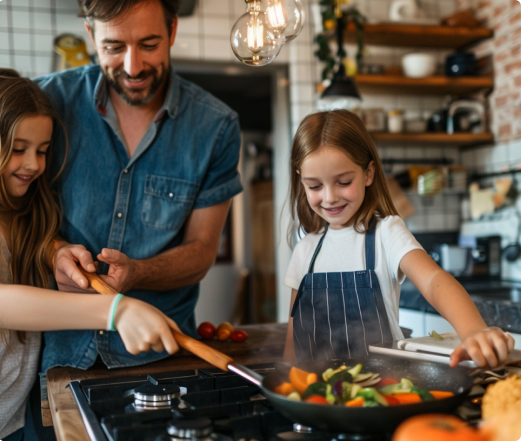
pixel 504 17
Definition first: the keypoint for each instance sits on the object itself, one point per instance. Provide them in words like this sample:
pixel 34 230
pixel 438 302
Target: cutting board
pixel 428 344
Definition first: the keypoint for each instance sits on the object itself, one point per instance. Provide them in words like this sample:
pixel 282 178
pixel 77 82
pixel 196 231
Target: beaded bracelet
pixel 112 312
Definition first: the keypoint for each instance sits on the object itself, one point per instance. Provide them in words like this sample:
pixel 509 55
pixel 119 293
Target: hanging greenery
pixel 330 10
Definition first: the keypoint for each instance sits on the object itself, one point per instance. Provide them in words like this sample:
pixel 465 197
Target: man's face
pixel 133 50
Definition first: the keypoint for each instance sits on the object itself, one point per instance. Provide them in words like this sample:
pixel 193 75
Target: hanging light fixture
pixel 342 86
pixel 258 35
pixel 253 43
pixel 285 18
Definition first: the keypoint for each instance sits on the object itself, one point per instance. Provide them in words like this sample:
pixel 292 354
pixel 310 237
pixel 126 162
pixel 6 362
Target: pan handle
pixel 203 351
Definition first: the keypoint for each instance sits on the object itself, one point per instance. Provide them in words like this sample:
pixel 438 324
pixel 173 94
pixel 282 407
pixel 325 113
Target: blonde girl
pixel 29 220
pixel 345 274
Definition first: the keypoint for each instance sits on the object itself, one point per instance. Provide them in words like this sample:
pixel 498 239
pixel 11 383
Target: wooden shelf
pixel 400 35
pixel 435 85
pixel 433 139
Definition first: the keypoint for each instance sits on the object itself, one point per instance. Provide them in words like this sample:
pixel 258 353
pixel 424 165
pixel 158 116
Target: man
pixel 151 169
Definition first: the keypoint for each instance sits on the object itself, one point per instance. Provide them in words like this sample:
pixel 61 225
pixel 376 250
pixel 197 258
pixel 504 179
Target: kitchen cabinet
pixel 431 37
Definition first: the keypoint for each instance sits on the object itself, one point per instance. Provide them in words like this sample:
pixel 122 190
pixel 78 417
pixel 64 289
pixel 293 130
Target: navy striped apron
pixel 337 315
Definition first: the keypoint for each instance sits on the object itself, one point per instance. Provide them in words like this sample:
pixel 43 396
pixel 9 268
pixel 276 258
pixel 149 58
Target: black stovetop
pixel 199 405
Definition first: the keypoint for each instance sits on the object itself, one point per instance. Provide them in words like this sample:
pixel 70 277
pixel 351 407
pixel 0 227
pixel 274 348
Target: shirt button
pixel 171 195
pixel 125 171
pixel 101 333
pixel 120 214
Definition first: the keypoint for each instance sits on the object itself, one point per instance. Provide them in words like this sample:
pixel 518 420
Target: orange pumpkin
pixel 437 427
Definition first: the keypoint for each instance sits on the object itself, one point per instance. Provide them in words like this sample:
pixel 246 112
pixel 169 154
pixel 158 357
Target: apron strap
pixel 317 250
pixel 370 249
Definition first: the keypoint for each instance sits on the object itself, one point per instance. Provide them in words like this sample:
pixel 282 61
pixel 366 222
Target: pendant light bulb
pixel 285 18
pixel 253 43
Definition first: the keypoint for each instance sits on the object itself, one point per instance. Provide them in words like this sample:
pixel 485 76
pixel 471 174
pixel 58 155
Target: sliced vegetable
pixel 317 399
pixel 391 400
pixel 436 336
pixel 404 386
pixel 371 394
pixel 385 382
pixel 355 370
pixel 424 395
pixel 301 379
pixel 294 396
pixel 284 388
pixel 441 394
pixel 343 375
pixel 328 373
pixel 317 388
pixel 371 403
pixel 408 398
pixel 357 402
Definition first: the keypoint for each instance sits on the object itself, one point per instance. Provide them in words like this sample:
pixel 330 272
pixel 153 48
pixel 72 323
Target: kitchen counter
pixel 265 344
pixel 499 302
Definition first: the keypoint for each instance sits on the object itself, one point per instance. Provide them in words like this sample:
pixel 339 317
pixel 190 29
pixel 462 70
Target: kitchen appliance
pixel 466 116
pixel 461 64
pixel 485 261
pixel 452 258
pixel 211 405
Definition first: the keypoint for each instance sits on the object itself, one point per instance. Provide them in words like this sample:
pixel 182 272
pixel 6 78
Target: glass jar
pixel 395 121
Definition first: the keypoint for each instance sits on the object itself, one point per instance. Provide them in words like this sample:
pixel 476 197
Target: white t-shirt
pixel 344 251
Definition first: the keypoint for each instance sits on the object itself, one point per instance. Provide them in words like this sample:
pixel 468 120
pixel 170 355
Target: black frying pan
pixel 342 419
pixel 336 418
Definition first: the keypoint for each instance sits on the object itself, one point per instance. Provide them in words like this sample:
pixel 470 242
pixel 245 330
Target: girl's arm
pixel 289 350
pixel 141 326
pixel 486 346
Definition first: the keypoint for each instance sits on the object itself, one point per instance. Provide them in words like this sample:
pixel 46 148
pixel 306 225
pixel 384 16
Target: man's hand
pixel 121 269
pixel 67 257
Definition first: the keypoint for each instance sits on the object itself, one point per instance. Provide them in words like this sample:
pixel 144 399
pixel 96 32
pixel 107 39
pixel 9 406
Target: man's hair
pixel 106 10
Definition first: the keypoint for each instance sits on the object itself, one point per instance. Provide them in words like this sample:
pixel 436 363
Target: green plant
pixel 333 14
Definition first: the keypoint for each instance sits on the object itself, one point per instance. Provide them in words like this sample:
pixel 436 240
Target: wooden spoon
pixel 207 353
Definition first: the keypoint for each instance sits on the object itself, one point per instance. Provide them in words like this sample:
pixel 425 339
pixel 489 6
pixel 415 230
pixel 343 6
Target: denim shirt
pixel 138 205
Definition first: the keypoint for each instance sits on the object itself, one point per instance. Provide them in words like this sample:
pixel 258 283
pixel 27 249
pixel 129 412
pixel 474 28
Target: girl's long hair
pixel 34 218
pixel 343 130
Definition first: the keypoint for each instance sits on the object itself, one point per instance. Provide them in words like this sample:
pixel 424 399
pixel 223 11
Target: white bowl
pixel 418 65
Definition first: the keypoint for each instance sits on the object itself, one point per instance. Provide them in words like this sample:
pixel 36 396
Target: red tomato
pixel 206 330
pixel 238 335
pixel 316 399
pixel 384 382
pixel 391 401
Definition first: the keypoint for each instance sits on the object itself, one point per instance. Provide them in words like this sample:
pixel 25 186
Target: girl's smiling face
pixel 31 141
pixel 335 185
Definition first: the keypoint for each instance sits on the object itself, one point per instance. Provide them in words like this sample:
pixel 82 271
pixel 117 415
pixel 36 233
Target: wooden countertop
pixel 265 344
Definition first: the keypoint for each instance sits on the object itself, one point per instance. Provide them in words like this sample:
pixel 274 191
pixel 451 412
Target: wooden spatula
pixel 211 355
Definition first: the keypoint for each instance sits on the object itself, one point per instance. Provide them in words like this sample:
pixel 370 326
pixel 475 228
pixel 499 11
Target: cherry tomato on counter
pixel 238 335
pixel 206 330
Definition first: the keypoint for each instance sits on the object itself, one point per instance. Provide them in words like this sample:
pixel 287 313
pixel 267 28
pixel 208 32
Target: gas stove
pixel 195 405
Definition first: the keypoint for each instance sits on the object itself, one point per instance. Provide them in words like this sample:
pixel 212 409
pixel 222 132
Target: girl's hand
pixel 487 347
pixel 143 327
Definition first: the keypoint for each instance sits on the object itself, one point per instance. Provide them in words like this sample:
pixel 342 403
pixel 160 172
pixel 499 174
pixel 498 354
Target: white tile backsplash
pixel 21 19
pixel 42 21
pixel 4 41
pixel 22 42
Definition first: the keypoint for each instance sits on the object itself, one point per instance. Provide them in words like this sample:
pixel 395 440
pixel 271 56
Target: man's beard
pixel 115 80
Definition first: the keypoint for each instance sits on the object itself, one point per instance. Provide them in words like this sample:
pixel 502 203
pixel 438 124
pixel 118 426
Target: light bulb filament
pixel 276 16
pixel 255 33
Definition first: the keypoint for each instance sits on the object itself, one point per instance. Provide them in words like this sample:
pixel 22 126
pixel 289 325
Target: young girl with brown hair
pixel 29 220
pixel 345 274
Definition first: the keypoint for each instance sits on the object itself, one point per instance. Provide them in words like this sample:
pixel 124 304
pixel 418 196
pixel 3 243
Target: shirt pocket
pixel 167 202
